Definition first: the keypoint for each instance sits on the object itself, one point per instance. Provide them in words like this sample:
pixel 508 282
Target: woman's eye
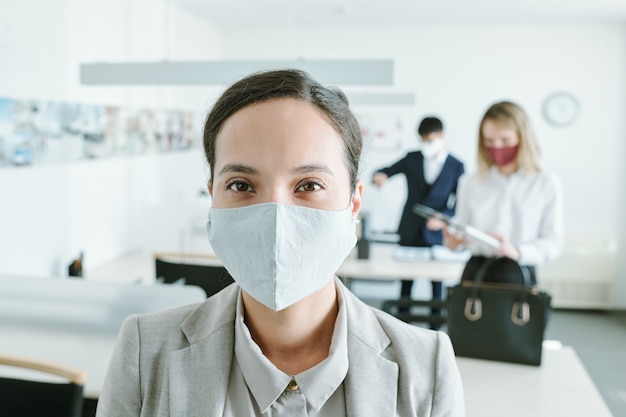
pixel 309 186
pixel 239 186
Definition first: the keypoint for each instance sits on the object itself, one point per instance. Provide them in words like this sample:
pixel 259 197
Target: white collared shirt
pixel 434 165
pixel 526 209
pixel 258 388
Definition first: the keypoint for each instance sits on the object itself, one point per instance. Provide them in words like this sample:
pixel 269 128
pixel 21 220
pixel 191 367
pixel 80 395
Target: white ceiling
pixel 401 12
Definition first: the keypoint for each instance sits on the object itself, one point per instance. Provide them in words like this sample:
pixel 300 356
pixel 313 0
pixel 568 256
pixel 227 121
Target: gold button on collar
pixel 293 385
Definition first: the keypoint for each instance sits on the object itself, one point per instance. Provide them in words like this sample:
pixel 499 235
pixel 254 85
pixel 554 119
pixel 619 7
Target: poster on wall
pixel 37 132
pixel 381 131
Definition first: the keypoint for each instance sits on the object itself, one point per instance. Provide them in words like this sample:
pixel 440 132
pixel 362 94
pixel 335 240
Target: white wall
pixel 49 213
pixel 457 71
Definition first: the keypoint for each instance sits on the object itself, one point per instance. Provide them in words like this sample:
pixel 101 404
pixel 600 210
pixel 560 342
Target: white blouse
pixel 527 209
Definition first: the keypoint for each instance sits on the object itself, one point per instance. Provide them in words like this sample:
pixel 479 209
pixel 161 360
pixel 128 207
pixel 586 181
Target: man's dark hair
pixel 429 125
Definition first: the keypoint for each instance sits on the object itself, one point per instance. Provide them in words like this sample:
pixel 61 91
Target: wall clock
pixel 560 108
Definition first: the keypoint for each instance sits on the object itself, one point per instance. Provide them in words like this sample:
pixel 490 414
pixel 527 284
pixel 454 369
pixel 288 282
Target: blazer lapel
pixel 371 385
pixel 419 169
pixel 442 180
pixel 199 374
pixel 445 168
pixel 198 377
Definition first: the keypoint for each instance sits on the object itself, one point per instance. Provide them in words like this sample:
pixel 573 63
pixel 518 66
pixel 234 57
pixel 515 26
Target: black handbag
pixel 498 321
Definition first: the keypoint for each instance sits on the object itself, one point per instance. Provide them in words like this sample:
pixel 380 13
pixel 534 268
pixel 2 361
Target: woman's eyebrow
pixel 238 168
pixel 307 169
pixel 299 170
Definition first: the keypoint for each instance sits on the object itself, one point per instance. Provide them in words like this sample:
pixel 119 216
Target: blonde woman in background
pixel 511 198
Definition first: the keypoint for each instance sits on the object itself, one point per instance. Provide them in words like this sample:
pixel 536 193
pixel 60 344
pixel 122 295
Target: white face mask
pixel 279 253
pixel 432 148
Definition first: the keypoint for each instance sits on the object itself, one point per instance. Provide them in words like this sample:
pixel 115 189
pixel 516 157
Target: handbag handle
pixel 520 313
pixel 482 271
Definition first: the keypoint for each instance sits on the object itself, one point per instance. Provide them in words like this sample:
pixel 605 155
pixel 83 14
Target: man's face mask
pixel 432 148
pixel 279 253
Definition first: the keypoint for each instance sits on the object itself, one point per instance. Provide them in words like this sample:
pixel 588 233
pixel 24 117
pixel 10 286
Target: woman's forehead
pixel 279 130
pixel 500 126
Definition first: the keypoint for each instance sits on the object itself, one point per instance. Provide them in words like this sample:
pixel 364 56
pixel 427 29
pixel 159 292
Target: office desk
pixel 75 322
pixel 86 350
pixel 560 387
pixel 384 265
pixel 381 265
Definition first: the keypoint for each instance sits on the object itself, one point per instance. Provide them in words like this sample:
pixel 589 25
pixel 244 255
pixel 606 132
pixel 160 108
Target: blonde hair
pixel 508 115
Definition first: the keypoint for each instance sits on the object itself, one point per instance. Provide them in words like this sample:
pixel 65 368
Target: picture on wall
pixel 38 132
pixel 381 131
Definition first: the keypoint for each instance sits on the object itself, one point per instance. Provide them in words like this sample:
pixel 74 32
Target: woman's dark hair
pixel 287 83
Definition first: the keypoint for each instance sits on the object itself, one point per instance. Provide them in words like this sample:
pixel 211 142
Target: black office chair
pixel 403 308
pixel 21 397
pixel 210 278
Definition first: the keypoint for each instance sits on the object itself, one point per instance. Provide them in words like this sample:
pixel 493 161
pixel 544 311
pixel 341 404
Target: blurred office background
pixel 452 58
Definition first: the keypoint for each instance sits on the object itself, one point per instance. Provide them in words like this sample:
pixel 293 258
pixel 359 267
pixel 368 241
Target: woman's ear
pixel 357 194
pixel 210 187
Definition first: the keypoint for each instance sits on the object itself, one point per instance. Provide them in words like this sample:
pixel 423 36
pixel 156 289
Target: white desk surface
pixel 89 351
pixel 381 265
pixel 75 322
pixel 561 386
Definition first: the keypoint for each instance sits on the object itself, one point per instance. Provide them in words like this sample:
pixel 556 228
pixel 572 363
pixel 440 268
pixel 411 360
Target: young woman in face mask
pixel 287 338
pixel 511 198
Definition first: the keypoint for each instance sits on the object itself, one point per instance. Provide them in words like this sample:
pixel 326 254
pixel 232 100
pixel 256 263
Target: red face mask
pixel 503 156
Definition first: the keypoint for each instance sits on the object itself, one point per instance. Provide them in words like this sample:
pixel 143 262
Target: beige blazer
pixel 177 363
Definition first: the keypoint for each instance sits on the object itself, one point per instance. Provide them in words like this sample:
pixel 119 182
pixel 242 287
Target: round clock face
pixel 560 109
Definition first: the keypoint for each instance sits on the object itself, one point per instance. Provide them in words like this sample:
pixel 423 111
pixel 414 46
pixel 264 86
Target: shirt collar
pixel 495 173
pixel 441 156
pixel 267 383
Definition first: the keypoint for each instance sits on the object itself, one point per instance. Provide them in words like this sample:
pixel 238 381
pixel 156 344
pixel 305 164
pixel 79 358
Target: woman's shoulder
pixel 548 176
pixel 406 335
pixel 167 318
pixel 472 179
pixel 187 321
pixel 546 179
